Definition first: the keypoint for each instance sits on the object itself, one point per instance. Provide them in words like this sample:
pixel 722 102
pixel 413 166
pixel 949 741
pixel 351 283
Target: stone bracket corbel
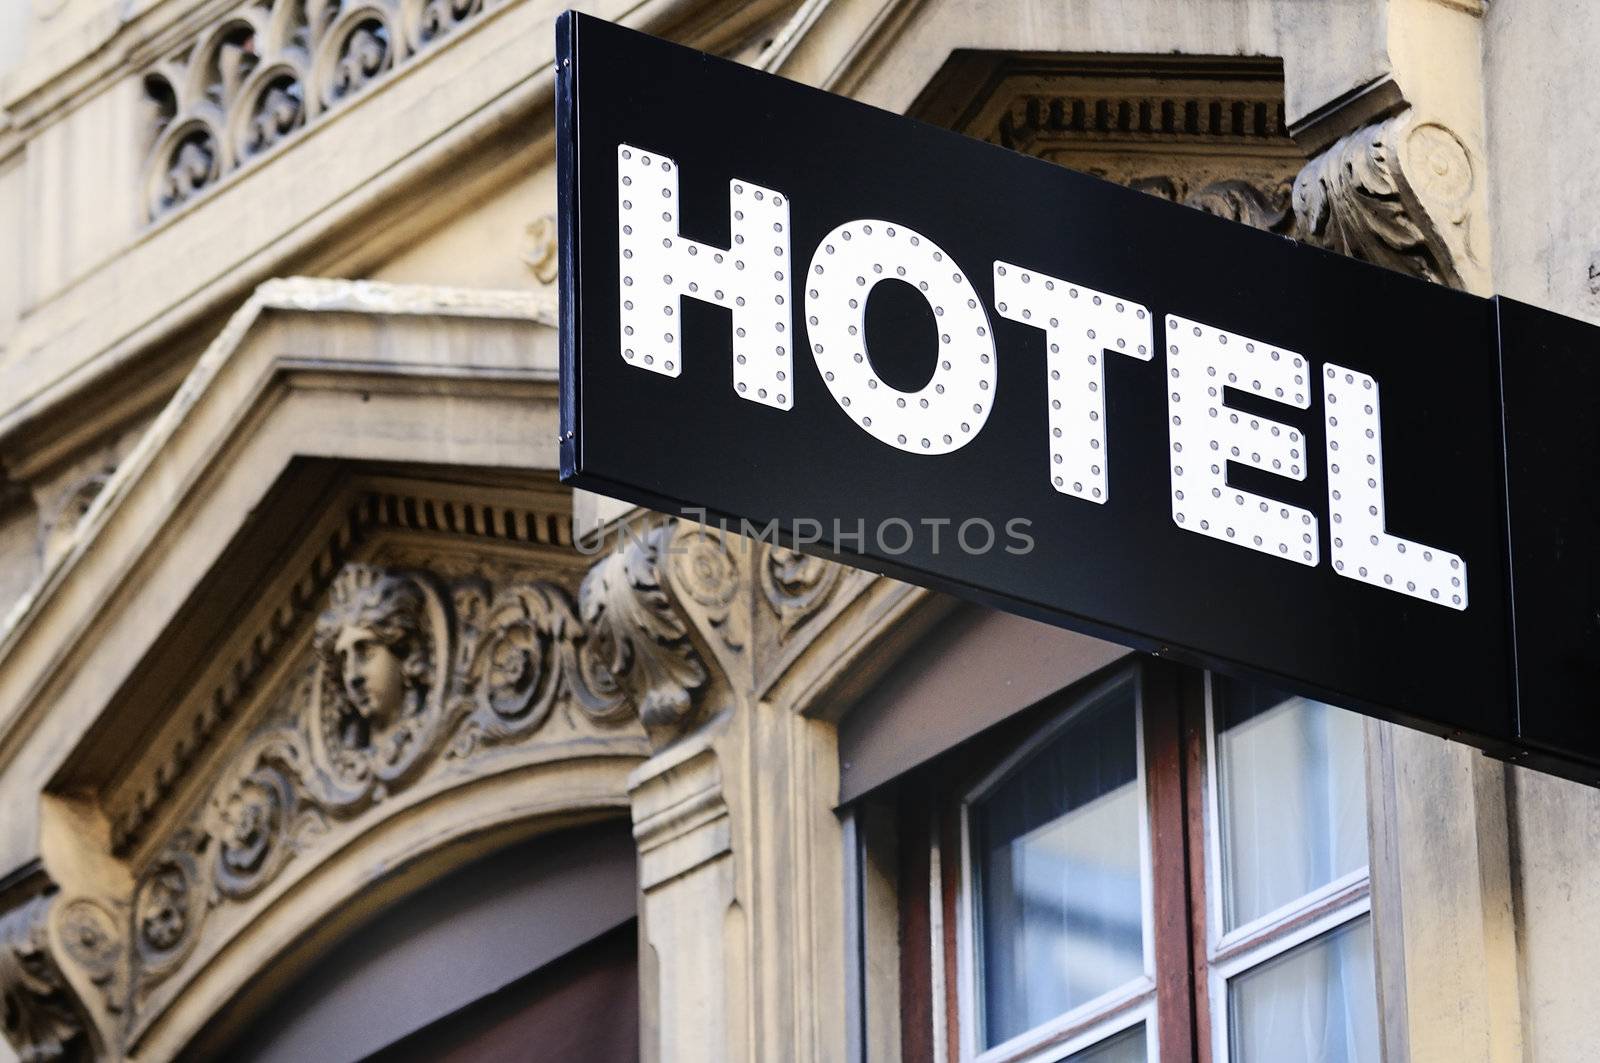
pixel 1398 173
pixel 1400 192
pixel 640 641
pixel 688 619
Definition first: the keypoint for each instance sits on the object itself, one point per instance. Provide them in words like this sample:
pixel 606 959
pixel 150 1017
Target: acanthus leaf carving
pixel 638 642
pixel 257 817
pixel 1247 203
pixel 1259 204
pixel 38 1013
pixel 521 655
pixel 1395 193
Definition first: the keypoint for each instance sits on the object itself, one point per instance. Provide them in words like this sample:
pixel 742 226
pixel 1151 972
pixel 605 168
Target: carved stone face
pixel 371 674
pixel 375 650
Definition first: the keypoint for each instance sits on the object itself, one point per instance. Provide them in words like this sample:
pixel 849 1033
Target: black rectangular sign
pixel 984 373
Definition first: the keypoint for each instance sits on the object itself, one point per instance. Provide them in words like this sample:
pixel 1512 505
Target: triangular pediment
pixel 355 487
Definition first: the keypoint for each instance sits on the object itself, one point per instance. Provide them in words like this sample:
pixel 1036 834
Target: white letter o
pixel 952 407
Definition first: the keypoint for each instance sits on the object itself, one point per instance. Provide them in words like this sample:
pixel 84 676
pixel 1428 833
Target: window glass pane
pixel 1056 845
pixel 1316 1003
pixel 1292 797
pixel 1125 1047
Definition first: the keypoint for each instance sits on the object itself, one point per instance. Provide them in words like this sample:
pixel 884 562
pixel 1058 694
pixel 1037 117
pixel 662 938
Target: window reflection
pixel 1057 853
pixel 1292 794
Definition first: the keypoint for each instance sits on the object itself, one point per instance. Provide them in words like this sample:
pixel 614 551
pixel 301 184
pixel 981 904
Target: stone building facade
pixel 324 731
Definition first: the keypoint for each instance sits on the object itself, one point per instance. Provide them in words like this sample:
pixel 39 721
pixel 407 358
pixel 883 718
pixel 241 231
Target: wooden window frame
pixel 1185 1016
pixel 1222 955
pixel 1118 1009
pixel 936 1024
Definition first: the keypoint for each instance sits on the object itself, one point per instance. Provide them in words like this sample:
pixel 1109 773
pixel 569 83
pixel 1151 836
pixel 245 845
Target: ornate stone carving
pixel 280 109
pixel 92 939
pixel 542 254
pixel 408 676
pixel 256 818
pixel 411 679
pixel 1396 193
pixel 266 70
pixel 161 909
pixel 438 17
pixel 421 670
pixel 363 54
pixel 1439 170
pixel 755 603
pixel 640 643
pixel 383 648
pixel 189 165
pixel 751 602
pixel 149 790
pixel 797 585
pixel 1208 133
pixel 707 571
pixel 523 652
pixel 37 1012
pixel 1251 204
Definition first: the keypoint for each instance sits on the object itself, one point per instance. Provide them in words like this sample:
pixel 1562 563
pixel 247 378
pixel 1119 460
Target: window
pixel 1290 943
pixel 1155 864
pixel 1056 880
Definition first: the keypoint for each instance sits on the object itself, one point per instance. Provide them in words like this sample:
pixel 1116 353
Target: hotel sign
pixel 935 358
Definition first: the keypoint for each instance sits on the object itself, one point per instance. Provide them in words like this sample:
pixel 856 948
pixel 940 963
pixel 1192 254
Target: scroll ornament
pixel 1397 193
pixel 259 74
pixel 410 675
